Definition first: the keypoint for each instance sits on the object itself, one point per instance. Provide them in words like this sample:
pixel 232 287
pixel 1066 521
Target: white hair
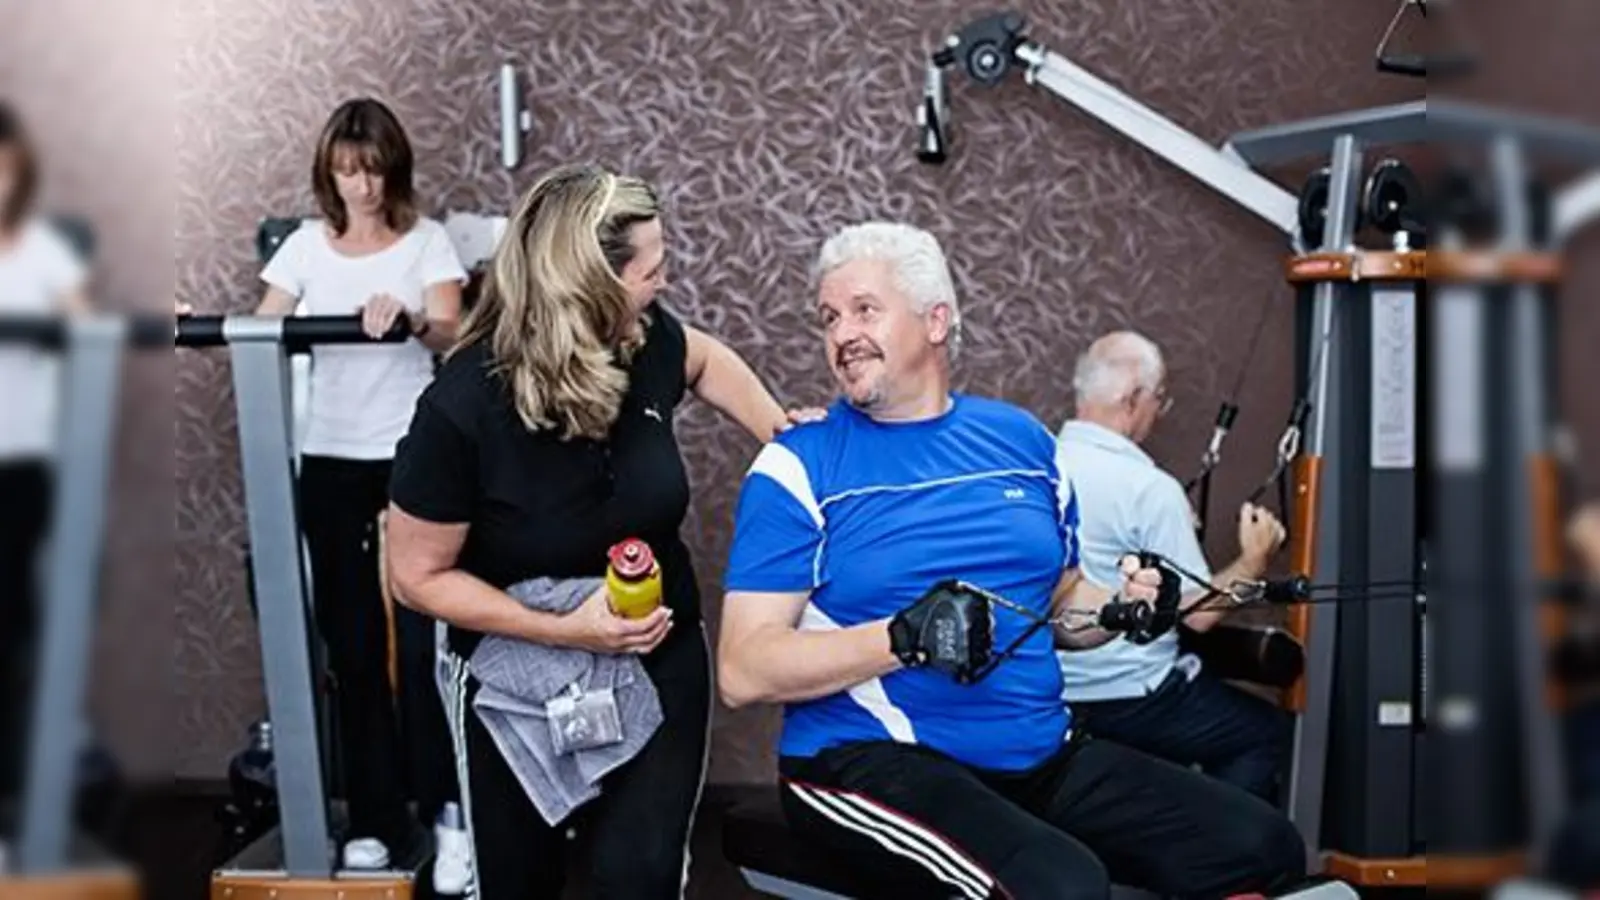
pixel 1115 366
pixel 920 268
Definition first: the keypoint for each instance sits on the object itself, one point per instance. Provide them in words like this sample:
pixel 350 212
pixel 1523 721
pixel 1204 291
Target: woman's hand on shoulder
pixel 593 626
pixel 801 416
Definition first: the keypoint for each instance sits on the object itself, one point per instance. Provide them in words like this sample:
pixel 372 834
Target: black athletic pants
pixel 384 750
pixel 1236 737
pixel 637 831
pixel 25 504
pixel 1094 814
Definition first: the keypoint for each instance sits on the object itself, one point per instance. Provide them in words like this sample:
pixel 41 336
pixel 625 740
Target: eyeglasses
pixel 1159 395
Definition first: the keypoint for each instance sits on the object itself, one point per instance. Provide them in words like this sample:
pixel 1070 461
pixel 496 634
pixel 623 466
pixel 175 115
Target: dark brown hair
pixel 368 129
pixel 15 137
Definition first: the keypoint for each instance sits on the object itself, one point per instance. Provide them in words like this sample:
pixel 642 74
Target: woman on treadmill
pixel 546 439
pixel 374 255
pixel 40 275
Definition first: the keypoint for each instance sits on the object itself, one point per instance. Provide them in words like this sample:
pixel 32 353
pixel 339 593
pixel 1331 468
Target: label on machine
pixel 1394 713
pixel 1394 379
pixel 1457 392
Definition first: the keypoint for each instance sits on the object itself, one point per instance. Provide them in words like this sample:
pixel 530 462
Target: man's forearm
pixel 1077 609
pixel 783 665
pixel 1245 568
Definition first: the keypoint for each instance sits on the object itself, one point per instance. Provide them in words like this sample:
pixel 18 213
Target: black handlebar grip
pixel 51 332
pixel 1295 589
pixel 1126 617
pixel 307 330
pixel 1404 64
pixel 199 331
pixel 47 332
pixel 1226 415
pixel 296 333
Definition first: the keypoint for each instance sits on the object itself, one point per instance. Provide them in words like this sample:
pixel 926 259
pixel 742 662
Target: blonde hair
pixel 554 312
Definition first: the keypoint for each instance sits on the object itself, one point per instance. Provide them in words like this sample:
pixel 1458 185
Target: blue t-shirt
pixel 866 516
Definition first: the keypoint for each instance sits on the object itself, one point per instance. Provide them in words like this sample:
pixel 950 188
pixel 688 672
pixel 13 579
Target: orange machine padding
pixel 1303 558
pixel 1363 265
pixel 1457 872
pixel 1544 475
pixel 112 884
pixel 1410 871
pixel 1480 266
pixel 256 887
pixel 1475 266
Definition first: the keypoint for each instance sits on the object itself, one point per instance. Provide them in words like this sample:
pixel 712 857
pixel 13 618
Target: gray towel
pixel 517 677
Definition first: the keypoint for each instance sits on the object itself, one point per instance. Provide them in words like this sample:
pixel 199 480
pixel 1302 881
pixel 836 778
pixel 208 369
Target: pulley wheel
pixel 1392 198
pixel 986 46
pixel 1314 207
pixel 1460 205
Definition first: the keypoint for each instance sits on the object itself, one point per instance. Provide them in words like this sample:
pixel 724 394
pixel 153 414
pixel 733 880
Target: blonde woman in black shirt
pixel 546 438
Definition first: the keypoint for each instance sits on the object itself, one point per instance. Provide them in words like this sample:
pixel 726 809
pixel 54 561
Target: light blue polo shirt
pixel 1125 503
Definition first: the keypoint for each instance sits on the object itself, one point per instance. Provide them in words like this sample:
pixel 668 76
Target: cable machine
pixel 1361 520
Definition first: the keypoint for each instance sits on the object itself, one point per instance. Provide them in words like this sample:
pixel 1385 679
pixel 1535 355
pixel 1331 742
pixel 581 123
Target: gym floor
pixel 171 838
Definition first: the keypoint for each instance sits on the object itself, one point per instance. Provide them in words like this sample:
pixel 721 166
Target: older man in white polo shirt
pixel 1143 696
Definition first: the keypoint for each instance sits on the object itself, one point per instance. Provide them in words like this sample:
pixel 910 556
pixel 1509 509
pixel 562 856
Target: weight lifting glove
pixel 949 628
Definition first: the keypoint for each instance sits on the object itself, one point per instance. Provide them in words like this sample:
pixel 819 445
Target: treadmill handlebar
pixel 142 330
pixel 295 332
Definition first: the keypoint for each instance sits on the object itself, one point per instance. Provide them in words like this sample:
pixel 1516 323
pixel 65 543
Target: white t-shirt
pixel 362 397
pixel 36 274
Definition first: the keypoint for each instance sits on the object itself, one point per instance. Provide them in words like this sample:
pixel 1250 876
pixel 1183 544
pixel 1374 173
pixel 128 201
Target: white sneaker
pixel 452 861
pixel 366 853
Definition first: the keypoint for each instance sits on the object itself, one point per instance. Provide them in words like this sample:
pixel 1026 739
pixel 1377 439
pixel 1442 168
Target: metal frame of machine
pixel 299 853
pixel 49 851
pixel 1329 360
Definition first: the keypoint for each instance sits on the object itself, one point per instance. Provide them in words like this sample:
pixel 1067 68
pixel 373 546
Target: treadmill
pixel 299 857
pixel 49 858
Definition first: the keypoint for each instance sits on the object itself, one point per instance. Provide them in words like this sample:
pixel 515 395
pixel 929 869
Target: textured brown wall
pixel 767 123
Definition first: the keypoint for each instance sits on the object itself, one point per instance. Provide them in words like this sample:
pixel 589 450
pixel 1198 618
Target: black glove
pixel 951 628
pixel 1164 612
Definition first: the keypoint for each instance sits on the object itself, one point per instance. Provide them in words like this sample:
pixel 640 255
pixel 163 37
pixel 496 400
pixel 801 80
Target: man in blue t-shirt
pixel 845 530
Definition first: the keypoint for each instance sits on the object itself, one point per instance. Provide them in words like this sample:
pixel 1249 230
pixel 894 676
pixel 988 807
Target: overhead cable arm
pixel 988 48
pixel 1575 207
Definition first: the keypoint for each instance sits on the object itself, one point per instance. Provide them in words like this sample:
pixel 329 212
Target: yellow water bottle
pixel 633 578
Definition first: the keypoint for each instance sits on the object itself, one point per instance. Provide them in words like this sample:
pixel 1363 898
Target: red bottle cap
pixel 632 559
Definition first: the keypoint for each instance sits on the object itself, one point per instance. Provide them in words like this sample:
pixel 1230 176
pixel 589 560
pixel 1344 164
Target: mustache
pixel 861 347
